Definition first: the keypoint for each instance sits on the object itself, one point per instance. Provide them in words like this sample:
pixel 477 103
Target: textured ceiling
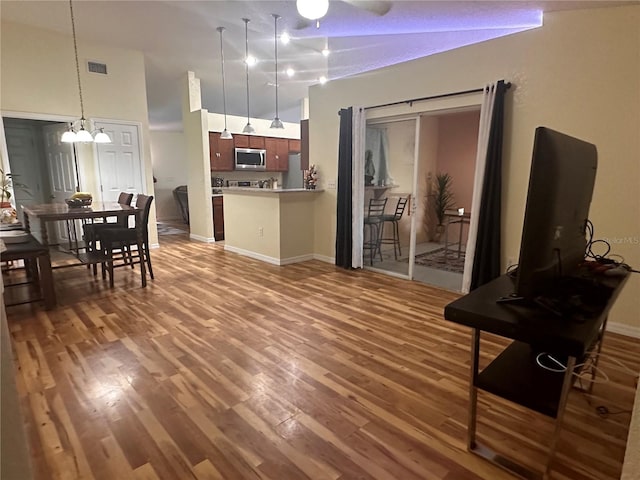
pixel 176 36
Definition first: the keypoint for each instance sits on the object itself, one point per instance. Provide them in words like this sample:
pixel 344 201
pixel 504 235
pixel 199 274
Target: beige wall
pixel 579 73
pixel 39 81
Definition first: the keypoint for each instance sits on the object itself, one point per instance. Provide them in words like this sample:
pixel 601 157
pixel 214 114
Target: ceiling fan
pixel 316 9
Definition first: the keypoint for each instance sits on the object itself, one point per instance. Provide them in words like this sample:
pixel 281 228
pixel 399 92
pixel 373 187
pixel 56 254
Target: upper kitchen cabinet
pixel 294 146
pixel 220 153
pixel 249 141
pixel 277 154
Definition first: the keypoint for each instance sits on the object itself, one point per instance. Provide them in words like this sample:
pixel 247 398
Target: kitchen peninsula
pixel 272 225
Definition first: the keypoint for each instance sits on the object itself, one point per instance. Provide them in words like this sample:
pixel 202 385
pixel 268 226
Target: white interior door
pixel 62 174
pixel 119 162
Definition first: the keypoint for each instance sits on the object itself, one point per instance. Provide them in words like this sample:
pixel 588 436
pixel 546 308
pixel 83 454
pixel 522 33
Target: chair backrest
pixel 143 202
pixel 125 198
pixel 376 207
pixel 402 203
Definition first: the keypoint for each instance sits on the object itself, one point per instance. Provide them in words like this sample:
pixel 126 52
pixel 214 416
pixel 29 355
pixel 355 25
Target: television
pixel 561 181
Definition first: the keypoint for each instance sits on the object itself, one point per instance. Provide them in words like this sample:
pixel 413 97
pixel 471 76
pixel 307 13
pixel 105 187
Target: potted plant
pixel 443 200
pixel 7 182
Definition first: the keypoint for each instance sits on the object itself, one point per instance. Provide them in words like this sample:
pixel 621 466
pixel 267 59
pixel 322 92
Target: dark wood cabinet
pixel 304 144
pixel 220 153
pixel 241 141
pixel 294 146
pixel 218 217
pixel 277 154
pixel 256 142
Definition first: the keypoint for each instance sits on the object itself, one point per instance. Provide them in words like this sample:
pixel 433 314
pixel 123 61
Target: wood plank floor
pixel 229 368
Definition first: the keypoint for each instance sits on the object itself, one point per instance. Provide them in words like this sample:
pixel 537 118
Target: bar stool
pixel 373 227
pixel 394 219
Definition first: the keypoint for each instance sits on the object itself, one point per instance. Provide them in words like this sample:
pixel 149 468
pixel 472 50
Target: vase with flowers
pixel 311 178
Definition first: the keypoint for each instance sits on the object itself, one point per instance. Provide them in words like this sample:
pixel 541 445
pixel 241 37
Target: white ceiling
pixel 176 36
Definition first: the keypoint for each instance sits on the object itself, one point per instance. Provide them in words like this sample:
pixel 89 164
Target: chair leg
pixel 148 257
pixel 396 239
pixel 379 239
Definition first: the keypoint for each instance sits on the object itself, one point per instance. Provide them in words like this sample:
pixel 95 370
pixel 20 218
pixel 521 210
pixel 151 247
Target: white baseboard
pixel 154 245
pixel 267 259
pixel 324 258
pixel 254 255
pixel 623 329
pixel 199 238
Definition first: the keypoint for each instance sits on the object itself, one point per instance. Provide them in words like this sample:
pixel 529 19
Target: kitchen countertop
pixel 268 190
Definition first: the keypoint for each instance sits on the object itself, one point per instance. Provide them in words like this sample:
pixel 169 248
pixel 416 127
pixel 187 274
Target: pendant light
pixel 277 123
pixel 312 9
pixel 226 134
pixel 247 128
pixel 82 135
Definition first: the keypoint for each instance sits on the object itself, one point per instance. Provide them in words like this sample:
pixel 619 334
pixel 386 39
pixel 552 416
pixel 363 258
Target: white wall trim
pixel 153 246
pixel 199 238
pixel 254 255
pixel 324 258
pixel 623 329
pixel 298 259
pixel 40 116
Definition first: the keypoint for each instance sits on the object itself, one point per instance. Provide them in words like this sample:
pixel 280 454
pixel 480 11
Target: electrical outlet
pixel 260 232
pixel 331 184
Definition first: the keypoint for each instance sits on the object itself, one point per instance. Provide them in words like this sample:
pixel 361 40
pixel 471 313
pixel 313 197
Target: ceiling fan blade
pixel 379 7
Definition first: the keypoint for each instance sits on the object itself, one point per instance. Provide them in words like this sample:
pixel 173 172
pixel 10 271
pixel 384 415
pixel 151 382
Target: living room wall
pixel 578 73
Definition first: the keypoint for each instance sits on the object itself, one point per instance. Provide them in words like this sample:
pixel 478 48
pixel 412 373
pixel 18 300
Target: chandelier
pixel 82 134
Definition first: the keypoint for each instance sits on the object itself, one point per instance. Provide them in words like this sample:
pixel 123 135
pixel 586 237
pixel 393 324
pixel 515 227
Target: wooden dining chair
pixel 90 230
pixel 123 238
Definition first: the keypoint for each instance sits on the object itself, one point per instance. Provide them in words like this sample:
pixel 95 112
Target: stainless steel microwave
pixel 250 159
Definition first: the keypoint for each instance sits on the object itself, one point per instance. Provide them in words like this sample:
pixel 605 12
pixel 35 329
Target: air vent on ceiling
pixel 95 67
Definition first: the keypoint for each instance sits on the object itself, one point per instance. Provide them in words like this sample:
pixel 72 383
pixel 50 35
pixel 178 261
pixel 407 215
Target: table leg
pixel 460 237
pixel 141 252
pixel 564 394
pixel 473 391
pixel 46 281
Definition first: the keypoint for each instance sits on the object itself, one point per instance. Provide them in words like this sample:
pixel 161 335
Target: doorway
pixel 418 151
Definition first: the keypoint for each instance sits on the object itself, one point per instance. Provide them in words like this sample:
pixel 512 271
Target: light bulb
pixel 251 60
pixel 290 72
pixel 312 9
pixel 83 136
pixel 285 38
pixel 322 80
pixel 326 52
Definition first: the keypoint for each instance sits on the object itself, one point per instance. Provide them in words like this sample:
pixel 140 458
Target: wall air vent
pixel 95 67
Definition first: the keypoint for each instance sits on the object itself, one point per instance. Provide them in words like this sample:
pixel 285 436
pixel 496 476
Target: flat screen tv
pixel 563 173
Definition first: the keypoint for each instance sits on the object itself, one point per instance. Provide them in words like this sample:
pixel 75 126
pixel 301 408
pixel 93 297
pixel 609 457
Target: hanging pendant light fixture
pixel 276 123
pixel 226 134
pixel 82 135
pixel 312 9
pixel 247 128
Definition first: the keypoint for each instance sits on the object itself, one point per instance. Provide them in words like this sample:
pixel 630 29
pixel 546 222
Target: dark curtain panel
pixel 486 263
pixel 344 237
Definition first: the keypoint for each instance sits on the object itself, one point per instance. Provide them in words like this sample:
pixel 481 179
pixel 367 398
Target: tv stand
pixel 514 374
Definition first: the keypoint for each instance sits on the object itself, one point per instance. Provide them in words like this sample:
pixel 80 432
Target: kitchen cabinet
pixel 220 153
pixel 248 141
pixel 241 141
pixel 218 217
pixel 294 146
pixel 277 154
pixel 304 144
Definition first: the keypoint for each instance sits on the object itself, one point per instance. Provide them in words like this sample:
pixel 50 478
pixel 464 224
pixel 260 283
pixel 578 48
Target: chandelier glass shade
pixel 312 9
pixel 248 128
pixel 226 134
pixel 276 123
pixel 82 135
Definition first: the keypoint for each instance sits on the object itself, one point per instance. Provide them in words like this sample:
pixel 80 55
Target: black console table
pixel 514 374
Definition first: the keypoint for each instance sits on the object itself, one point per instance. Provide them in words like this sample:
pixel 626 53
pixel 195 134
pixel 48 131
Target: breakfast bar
pixel 271 225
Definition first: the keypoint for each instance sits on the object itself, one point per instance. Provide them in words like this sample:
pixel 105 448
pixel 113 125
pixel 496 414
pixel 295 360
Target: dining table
pixel 53 212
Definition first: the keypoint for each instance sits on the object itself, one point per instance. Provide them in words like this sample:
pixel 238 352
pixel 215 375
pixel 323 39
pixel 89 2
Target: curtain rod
pixel 432 97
